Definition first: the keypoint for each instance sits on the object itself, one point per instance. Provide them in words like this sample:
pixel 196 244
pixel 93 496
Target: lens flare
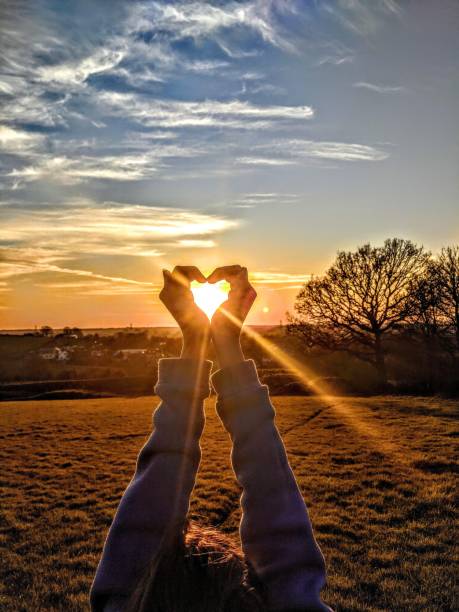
pixel 209 297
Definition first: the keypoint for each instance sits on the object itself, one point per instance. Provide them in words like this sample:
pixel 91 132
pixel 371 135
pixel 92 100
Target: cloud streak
pixel 265 161
pixel 252 200
pixel 296 151
pixel 233 114
pixel 53 240
pixel 279 280
pixel 18 141
pixel 110 228
pixel 75 167
pixel 360 17
pixel 382 89
pixel 199 20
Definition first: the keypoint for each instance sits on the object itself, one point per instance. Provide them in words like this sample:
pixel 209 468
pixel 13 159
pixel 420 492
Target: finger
pixel 190 273
pixel 166 275
pixel 243 275
pixel 224 273
pixel 186 274
pixel 240 282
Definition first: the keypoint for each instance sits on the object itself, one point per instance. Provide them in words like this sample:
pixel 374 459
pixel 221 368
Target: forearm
pixel 276 532
pixel 195 345
pixel 157 497
pixel 228 350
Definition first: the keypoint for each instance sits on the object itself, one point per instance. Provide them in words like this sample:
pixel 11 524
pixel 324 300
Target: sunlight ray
pixel 195 405
pixel 344 407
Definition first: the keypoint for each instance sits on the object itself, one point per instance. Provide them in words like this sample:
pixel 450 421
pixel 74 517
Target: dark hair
pixel 201 570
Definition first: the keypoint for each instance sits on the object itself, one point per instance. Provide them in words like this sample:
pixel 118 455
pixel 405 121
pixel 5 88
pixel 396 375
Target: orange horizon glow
pixel 98 303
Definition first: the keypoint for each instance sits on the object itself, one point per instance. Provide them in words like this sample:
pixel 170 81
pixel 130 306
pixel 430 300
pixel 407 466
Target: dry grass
pixel 377 474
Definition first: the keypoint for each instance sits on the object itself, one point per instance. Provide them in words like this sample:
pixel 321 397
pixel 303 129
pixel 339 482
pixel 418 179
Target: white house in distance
pixel 54 354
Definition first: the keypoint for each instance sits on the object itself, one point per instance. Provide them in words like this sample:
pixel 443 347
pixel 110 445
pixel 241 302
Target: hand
pixel 227 321
pixel 178 299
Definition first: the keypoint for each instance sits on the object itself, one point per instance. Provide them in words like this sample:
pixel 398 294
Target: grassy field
pixel 377 474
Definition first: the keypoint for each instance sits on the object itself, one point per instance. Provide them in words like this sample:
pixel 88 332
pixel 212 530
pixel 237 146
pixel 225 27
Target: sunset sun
pixel 209 297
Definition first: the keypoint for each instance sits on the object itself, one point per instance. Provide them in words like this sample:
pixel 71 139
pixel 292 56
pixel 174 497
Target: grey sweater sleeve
pixel 157 498
pixel 276 533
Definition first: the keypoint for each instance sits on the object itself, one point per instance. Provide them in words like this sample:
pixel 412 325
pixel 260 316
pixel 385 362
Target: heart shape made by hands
pixel 209 296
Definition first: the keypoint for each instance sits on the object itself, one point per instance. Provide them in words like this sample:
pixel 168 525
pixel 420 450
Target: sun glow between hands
pixel 209 297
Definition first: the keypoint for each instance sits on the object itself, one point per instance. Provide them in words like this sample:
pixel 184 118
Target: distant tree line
pixel 48 332
pixel 372 296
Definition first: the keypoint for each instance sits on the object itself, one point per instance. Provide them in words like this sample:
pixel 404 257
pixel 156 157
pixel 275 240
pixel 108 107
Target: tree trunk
pixel 431 356
pixel 380 362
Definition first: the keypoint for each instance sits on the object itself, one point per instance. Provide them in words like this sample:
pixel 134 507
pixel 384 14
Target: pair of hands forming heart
pixel 225 326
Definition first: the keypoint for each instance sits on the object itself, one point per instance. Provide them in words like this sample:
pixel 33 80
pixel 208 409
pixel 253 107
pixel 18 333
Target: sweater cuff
pixel 187 376
pixel 239 379
pixel 243 402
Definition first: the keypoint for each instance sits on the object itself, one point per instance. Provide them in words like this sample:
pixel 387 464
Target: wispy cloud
pixel 192 243
pixel 135 159
pixel 208 113
pixel 53 84
pixel 362 18
pixel 52 240
pixel 251 200
pixel 200 19
pixel 77 72
pixel 46 244
pixel 148 160
pixel 139 47
pixel 92 286
pixel 71 171
pixel 279 280
pixel 265 161
pixel 109 228
pixel 18 141
pixel 383 89
pixel 25 106
pixel 294 151
pixel 335 60
pixel 19 262
pixel 66 80
pixel 339 151
pixel 264 88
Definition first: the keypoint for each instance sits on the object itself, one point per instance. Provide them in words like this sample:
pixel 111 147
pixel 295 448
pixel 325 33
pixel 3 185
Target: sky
pixel 138 135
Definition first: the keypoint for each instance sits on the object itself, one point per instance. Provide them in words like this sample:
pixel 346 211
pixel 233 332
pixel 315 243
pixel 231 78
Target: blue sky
pixel 138 135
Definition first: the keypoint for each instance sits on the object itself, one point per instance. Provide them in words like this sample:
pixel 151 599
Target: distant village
pixel 71 345
pixel 59 363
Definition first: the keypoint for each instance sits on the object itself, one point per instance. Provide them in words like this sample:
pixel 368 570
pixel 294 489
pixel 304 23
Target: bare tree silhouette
pixel 362 297
pixel 448 278
pixel 46 330
pixel 427 322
